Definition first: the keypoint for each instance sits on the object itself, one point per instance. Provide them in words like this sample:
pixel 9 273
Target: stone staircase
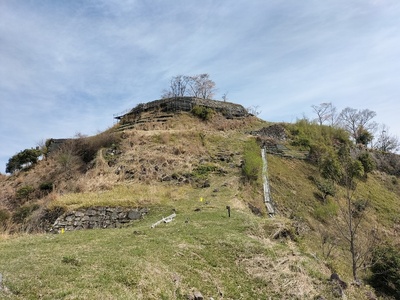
pixel 267 193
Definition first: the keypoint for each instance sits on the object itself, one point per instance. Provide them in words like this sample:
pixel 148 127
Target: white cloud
pixel 68 66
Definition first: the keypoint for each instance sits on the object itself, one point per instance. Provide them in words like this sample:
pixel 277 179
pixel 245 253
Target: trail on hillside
pixel 267 194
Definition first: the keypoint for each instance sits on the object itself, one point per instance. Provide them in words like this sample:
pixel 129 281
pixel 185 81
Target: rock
pixel 337 292
pixel 90 212
pixel 79 214
pixel 121 215
pixel 206 184
pixel 3 288
pixel 335 278
pixel 275 131
pixel 143 211
pixel 198 296
pixel 166 178
pixel 134 215
pixel 255 210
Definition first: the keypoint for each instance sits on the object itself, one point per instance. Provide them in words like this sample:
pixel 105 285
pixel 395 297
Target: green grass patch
pixel 326 212
pixel 198 250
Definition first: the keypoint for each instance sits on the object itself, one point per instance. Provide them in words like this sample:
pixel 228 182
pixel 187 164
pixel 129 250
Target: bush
pixel 326 187
pixel 316 152
pixel 46 187
pixel 25 192
pixel 386 270
pixel 204 113
pixel 23 160
pixel 4 217
pixel 23 212
pixel 330 167
pixel 359 206
pixel 204 170
pixel 252 162
pixel 367 162
pixel 301 141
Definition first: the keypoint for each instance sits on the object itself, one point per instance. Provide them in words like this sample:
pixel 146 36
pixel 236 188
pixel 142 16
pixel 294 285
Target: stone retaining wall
pixel 176 104
pixel 97 217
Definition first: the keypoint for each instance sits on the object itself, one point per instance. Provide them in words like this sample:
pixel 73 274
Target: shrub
pixel 367 162
pixel 386 270
pixel 202 112
pixel 23 212
pixel 4 217
pixel 204 170
pixel 326 187
pixel 25 192
pixel 359 206
pixel 302 142
pixel 316 152
pixel 330 167
pixel 46 187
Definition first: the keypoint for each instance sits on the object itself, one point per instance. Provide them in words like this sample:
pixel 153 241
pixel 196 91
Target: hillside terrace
pixel 162 108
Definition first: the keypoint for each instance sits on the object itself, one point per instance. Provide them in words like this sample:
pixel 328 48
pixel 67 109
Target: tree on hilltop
pixel 200 86
pixel 326 112
pixel 386 142
pixel 358 123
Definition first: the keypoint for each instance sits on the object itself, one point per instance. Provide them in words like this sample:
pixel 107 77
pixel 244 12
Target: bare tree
pixel 386 142
pixel 200 86
pixel 225 96
pixel 178 86
pixel 254 110
pixel 333 116
pixel 357 121
pixel 326 112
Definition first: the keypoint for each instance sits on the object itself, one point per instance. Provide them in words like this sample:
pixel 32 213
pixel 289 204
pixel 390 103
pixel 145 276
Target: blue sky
pixel 67 66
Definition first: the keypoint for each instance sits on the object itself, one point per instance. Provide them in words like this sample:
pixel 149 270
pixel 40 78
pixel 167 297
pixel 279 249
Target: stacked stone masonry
pixel 97 217
pixel 228 109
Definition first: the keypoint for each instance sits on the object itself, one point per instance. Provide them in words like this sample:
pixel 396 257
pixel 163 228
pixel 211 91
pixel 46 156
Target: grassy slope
pixel 224 258
pixel 211 252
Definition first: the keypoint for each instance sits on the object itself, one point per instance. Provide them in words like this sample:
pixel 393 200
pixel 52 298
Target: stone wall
pixel 55 144
pixel 228 109
pixel 97 217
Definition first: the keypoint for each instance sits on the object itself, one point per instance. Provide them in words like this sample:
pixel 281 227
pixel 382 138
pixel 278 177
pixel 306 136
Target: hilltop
pixel 194 160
